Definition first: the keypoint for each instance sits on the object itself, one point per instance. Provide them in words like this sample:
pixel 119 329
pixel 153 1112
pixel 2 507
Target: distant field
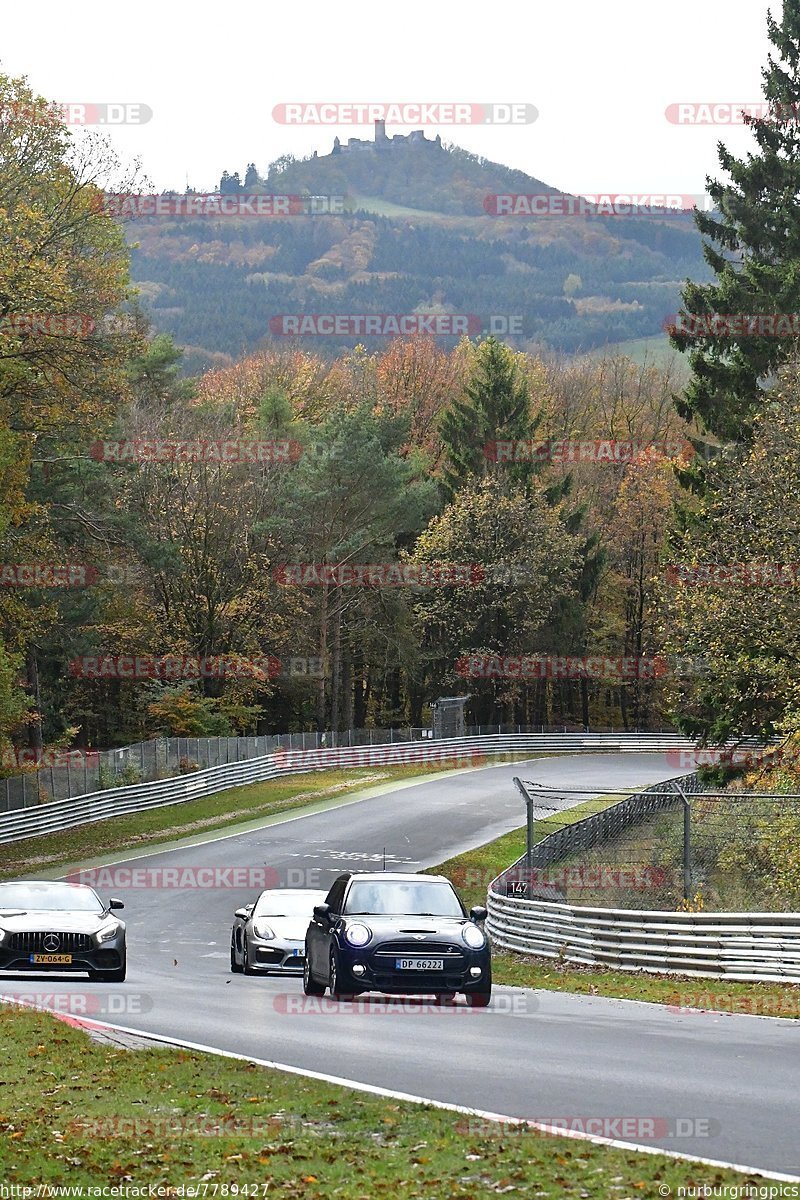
pixel 385 208
pixel 656 350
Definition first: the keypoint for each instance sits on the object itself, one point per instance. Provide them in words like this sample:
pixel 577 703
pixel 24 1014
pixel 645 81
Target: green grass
pixel 80 1113
pixel 386 208
pixel 656 351
pixel 472 872
pixel 676 991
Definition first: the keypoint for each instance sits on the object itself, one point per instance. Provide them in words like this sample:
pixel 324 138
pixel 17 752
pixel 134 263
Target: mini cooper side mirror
pixel 115 904
pixel 478 913
pixel 323 913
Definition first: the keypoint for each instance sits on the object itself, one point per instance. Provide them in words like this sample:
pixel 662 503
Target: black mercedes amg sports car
pixel 397 933
pixel 48 926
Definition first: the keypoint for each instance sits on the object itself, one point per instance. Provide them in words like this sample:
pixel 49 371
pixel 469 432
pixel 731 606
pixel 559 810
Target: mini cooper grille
pixel 452 954
pixel 35 942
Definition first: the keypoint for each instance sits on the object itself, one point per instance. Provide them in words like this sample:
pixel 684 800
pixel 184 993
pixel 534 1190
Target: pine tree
pixel 496 407
pixel 754 251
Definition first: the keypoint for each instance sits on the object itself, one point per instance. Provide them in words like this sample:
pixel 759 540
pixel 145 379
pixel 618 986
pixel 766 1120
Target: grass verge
pixel 472 872
pixel 73 1111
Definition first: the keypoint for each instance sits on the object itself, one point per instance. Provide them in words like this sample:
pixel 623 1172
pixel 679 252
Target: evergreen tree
pixel 754 251
pixel 496 407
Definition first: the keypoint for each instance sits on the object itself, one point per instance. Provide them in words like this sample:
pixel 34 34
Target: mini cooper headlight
pixel 263 931
pixel 107 932
pixel 473 937
pixel 358 934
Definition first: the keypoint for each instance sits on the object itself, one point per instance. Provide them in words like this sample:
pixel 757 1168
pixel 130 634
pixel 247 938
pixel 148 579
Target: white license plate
pixel 295 953
pixel 419 964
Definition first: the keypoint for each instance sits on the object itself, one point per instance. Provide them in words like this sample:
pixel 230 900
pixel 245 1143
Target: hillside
pixel 414 234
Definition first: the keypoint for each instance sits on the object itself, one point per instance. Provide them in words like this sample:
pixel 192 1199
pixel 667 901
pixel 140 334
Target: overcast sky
pixel 600 75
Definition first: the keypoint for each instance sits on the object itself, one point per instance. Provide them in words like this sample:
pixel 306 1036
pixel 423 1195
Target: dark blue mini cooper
pixel 397 933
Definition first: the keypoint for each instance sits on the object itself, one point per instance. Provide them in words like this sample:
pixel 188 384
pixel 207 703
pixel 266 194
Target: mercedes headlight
pixel 108 932
pixel 357 934
pixel 473 937
pixel 263 931
pixel 2 934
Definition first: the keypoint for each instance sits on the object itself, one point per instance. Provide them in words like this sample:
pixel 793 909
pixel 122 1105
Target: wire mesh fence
pixel 69 773
pixel 79 772
pixel 664 848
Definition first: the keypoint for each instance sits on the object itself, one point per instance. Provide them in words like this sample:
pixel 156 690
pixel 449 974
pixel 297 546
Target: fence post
pixel 528 828
pixel 687 842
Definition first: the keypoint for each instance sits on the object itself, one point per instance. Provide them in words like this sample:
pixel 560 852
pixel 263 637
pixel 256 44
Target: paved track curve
pixel 532 1054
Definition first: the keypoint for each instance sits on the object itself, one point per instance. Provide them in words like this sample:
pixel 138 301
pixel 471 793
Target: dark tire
pixel 334 981
pixel 236 967
pixel 310 985
pixel 478 999
pixel 246 968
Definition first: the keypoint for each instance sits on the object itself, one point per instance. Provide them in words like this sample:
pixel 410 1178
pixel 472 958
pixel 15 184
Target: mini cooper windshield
pixel 401 898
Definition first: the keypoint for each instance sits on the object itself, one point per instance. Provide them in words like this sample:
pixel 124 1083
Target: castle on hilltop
pixel 382 142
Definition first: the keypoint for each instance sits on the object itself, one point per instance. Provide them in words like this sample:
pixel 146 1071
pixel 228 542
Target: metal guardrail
pixel 38 818
pixel 65 774
pixel 744 946
pixel 736 946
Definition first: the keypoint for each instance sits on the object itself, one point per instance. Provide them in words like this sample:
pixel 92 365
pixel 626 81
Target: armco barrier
pixel 736 946
pixel 99 806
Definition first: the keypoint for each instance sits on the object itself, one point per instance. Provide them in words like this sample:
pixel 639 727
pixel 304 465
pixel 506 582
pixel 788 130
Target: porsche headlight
pixel 473 937
pixel 263 931
pixel 108 932
pixel 357 934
